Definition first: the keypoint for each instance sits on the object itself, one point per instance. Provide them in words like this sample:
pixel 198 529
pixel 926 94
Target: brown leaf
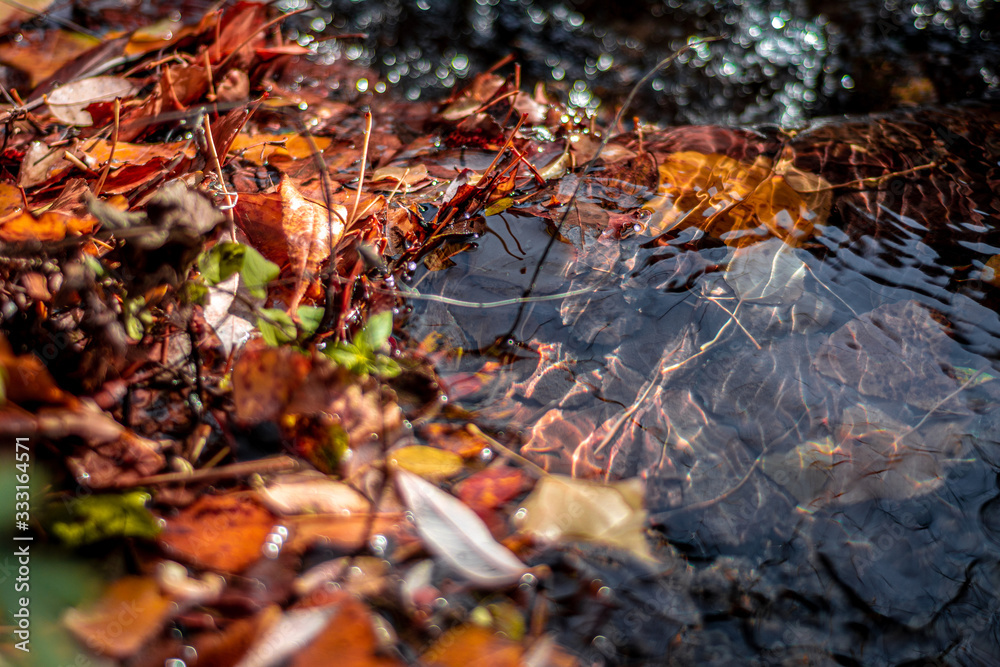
pixel 349 635
pixel 42 164
pixel 265 379
pixel 165 32
pixel 225 647
pixel 40 54
pixel 103 464
pixel 271 382
pixel 289 226
pixel 344 533
pixel 131 611
pixel 313 494
pixel 224 533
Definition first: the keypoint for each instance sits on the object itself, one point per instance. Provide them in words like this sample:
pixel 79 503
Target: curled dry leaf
pixel 453 533
pixel 41 164
pixel 562 508
pixel 69 103
pixel 288 227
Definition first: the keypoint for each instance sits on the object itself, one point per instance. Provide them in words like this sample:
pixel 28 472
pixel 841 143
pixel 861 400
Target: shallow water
pixel 815 417
pixel 812 406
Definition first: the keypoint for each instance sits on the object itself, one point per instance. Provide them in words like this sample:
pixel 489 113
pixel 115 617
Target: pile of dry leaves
pixel 237 457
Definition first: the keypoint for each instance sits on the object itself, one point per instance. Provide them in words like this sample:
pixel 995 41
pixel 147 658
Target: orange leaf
pixel 347 639
pixel 737 202
pixel 259 148
pixel 49 226
pixel 26 380
pixel 491 488
pixel 131 611
pixel 10 200
pixel 224 533
pixel 311 229
pixel 473 646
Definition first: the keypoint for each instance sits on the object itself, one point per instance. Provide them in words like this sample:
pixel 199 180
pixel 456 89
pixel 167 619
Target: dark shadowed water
pixel 780 62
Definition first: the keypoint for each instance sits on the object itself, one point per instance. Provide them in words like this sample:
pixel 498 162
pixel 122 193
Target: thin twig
pixel 111 154
pixel 508 452
pixel 364 161
pixel 241 469
pixel 210 141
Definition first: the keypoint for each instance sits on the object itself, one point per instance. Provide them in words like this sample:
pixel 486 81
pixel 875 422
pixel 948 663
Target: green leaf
pixel 136 318
pixel 222 261
pixel 384 367
pixel 257 272
pixel 350 357
pixel 310 317
pixel 276 326
pixel 499 206
pixel 194 291
pixel 94 265
pixel 376 331
pixel 95 518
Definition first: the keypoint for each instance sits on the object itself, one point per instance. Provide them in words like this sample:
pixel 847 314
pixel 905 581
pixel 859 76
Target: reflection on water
pixel 815 420
pixel 782 62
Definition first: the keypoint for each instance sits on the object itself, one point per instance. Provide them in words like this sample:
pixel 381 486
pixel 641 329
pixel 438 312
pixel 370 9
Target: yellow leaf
pixel 428 462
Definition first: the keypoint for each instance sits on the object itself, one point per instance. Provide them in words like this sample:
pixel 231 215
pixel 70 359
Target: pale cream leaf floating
pixel 456 535
pixel 562 509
